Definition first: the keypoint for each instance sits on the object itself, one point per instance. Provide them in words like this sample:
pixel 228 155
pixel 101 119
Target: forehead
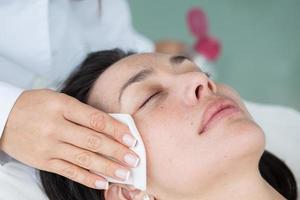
pixel 104 94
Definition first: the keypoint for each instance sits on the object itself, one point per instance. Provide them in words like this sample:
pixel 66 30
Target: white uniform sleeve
pixel 8 96
pixel 128 35
pixel 115 20
pixel 19 181
pixel 25 34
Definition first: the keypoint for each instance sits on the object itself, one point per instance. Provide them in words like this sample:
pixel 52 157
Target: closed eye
pixel 147 100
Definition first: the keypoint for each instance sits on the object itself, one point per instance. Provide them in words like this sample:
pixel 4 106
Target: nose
pixel 196 86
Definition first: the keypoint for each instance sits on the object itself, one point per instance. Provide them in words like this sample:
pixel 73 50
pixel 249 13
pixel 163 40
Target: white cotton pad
pixel 138 175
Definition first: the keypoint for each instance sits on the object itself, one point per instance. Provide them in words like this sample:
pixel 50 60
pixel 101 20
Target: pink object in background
pixel 209 47
pixel 206 45
pixel 197 22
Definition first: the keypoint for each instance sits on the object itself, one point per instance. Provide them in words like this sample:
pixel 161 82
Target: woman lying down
pixel 190 153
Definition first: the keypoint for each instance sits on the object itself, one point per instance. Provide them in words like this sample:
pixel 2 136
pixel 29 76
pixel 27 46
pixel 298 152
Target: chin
pixel 248 137
pixel 241 145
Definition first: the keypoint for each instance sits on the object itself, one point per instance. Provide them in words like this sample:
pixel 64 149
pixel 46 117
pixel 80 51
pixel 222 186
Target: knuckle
pixel 46 165
pixel 68 104
pixel 70 172
pixel 57 102
pixel 82 178
pixel 45 150
pixel 65 100
pixel 54 104
pixel 114 132
pixel 118 152
pixel 97 121
pixel 84 159
pixel 49 131
pixel 53 166
pixel 88 180
pixel 93 142
pixel 85 181
pixel 108 168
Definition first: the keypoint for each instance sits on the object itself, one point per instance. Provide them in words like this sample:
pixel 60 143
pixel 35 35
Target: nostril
pixel 210 86
pixel 197 91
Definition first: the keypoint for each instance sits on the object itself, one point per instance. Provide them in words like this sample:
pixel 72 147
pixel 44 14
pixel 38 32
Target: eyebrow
pixel 140 76
pixel 145 73
pixel 175 60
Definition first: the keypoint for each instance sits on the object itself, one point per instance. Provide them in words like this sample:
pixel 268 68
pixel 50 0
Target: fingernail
pixel 100 184
pixel 129 140
pixel 131 160
pixel 122 174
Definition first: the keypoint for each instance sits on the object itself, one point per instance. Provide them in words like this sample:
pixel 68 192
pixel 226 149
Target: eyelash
pixel 147 100
pixel 207 74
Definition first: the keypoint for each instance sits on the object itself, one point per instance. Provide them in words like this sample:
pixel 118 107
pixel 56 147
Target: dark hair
pixel 79 84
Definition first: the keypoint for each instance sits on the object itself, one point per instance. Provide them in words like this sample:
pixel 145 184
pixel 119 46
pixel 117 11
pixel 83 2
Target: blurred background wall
pixel 260 41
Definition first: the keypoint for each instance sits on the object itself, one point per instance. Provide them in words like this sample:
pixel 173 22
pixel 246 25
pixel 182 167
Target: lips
pixel 215 111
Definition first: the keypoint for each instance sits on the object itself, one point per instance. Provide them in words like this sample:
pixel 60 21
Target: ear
pixel 125 192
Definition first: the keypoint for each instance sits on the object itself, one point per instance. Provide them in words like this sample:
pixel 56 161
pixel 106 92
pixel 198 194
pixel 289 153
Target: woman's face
pixel 195 131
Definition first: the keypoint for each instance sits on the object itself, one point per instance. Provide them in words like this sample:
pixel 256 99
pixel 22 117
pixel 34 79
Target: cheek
pixel 167 134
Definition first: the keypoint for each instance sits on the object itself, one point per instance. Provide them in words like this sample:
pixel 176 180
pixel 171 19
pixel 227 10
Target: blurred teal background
pixel 260 41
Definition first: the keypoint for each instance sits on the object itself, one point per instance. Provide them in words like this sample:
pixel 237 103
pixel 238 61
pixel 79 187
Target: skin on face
pixel 181 161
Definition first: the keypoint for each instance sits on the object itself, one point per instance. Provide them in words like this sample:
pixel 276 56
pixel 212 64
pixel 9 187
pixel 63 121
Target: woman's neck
pixel 237 186
pixel 247 187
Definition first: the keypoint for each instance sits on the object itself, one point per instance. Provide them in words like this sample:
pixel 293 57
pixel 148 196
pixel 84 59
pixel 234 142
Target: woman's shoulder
pixel 19 181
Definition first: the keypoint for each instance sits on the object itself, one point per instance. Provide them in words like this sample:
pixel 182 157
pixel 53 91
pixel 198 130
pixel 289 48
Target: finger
pixel 99 143
pixel 99 121
pixel 91 161
pixel 78 174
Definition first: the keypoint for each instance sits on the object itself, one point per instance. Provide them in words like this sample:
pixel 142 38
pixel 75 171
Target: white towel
pixel 138 175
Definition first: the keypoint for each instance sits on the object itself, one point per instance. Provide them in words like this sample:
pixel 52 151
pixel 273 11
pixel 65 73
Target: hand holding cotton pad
pixel 138 175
